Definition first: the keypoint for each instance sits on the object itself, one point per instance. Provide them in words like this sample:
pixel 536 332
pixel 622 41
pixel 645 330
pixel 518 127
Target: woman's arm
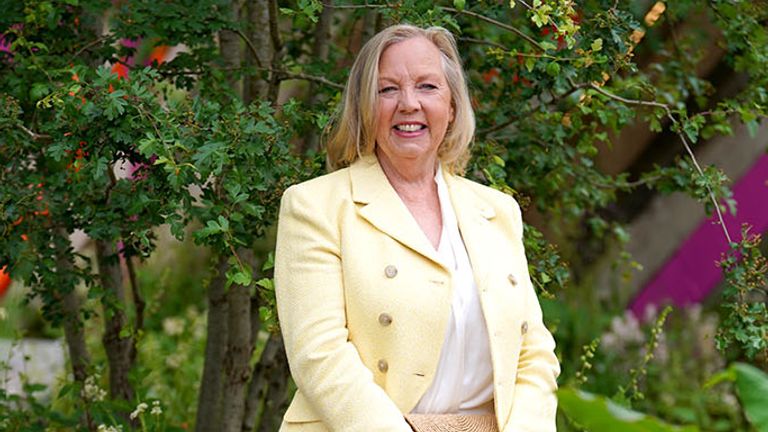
pixel 310 300
pixel 535 402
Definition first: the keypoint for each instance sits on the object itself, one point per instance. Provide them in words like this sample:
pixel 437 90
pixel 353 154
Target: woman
pixel 402 287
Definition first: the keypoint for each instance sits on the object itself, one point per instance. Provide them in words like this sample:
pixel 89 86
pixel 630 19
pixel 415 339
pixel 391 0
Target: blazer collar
pixel 383 208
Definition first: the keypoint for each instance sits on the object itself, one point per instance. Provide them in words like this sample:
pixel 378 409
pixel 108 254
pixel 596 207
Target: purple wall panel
pixel 692 272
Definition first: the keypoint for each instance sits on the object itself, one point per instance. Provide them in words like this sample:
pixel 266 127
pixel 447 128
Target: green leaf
pixel 599 414
pixel 266 283
pixel 459 4
pixel 553 69
pixel 530 63
pixel 242 278
pixel 752 388
pixel 597 45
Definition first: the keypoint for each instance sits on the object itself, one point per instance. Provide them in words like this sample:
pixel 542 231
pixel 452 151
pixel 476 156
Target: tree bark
pixel 229 45
pixel 320 53
pixel 74 333
pixel 253 397
pixel 237 371
pixel 273 373
pixel 138 303
pixel 254 85
pixel 211 386
pixel 277 52
pixel 119 349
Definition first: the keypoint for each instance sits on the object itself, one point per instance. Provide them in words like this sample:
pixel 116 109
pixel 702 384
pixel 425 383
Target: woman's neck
pixel 412 180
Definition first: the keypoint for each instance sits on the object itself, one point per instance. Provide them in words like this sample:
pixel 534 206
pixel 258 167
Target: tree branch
pixel 251 47
pixel 497 24
pixel 88 46
pixel 34 135
pixel 683 140
pixel 302 76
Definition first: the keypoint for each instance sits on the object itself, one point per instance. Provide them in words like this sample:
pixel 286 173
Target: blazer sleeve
pixel 309 289
pixel 535 402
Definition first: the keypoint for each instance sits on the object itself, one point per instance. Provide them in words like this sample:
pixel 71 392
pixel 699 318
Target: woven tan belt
pixel 452 422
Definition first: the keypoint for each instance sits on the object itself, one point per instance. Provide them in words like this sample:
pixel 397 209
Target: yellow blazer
pixel 364 302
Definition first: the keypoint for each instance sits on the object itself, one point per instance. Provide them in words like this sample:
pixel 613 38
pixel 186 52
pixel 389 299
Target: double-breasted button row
pixel 512 279
pixel 383 366
pixel 390 271
pixel 524 327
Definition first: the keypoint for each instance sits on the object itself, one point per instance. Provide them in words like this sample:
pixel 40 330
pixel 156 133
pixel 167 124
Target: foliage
pixel 745 324
pixel 598 413
pixel 752 387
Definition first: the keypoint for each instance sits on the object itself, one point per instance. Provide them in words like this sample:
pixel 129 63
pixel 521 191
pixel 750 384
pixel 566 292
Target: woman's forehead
pixel 415 57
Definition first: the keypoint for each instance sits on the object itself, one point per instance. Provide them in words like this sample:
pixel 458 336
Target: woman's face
pixel 414 102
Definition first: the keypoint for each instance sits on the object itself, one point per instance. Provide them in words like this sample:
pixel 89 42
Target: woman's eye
pixel 387 89
pixel 427 86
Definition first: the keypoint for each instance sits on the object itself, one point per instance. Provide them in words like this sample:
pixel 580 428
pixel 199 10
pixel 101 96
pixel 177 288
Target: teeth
pixel 409 127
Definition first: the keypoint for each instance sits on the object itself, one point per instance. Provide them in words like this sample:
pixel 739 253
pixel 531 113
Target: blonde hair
pixel 353 132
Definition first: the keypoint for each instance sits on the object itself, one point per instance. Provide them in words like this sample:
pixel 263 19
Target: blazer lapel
pixel 473 215
pixel 383 208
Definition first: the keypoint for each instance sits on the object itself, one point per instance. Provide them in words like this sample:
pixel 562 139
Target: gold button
pixel 383 366
pixel 512 279
pixel 390 271
pixel 385 319
pixel 524 327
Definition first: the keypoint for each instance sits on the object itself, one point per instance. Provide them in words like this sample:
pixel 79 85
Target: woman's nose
pixel 408 101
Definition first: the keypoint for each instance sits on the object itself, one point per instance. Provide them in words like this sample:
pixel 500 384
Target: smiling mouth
pixel 410 127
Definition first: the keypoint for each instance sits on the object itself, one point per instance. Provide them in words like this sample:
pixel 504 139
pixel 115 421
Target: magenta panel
pixel 692 272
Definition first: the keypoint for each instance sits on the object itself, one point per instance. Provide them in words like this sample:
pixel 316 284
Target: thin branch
pixel 363 6
pixel 88 46
pixel 628 101
pixel 307 77
pixel 250 47
pixel 34 135
pixel 629 185
pixel 483 42
pixel 497 127
pixel 497 24
pixel 701 173
pixel 685 143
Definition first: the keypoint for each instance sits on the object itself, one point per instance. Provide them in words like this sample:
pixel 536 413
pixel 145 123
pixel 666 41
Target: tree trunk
pixel 119 349
pixel 211 386
pixel 277 52
pixel 74 333
pixel 273 373
pixel 138 304
pixel 253 397
pixel 229 45
pixel 237 371
pixel 255 86
pixel 320 53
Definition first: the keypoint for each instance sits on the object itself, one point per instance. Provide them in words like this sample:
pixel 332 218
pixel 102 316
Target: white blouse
pixel 464 378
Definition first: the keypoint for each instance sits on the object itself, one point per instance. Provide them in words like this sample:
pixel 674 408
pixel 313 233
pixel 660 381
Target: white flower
pixel 156 410
pixel 91 390
pixel 174 360
pixel 105 428
pixel 3 314
pixel 140 408
pixel 173 326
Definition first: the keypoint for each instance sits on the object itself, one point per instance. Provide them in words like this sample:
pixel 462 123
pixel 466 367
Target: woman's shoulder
pixel 333 182
pixel 322 191
pixel 492 196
